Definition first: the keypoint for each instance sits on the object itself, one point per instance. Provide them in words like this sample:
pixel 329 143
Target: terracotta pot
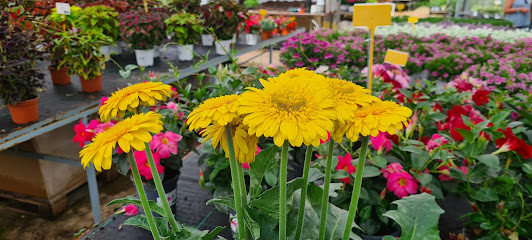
pixel 275 31
pixel 91 85
pixel 59 77
pixel 285 31
pixel 294 26
pixel 266 35
pixel 25 111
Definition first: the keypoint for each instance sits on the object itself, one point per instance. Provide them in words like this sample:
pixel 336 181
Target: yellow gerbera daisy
pixel 245 144
pixel 221 110
pixel 299 72
pixel 130 133
pixel 129 98
pixel 348 97
pixel 300 111
pixel 385 116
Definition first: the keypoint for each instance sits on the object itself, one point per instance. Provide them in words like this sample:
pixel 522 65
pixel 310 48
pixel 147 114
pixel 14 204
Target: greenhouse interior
pixel 265 119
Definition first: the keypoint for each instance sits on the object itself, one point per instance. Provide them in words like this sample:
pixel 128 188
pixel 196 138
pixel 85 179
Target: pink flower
pixel 144 166
pixel 82 135
pixel 102 127
pixel 391 169
pixel 173 106
pixel 381 142
pixel 165 143
pixel 131 210
pixel 103 100
pixel 174 94
pixel 328 138
pixel 401 184
pixel 344 163
pixel 246 165
pixel 446 173
pixel 436 141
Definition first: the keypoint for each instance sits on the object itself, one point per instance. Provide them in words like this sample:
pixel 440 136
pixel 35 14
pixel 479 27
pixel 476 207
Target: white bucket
pixel 207 39
pixel 185 52
pixel 144 57
pixel 156 51
pixel 106 51
pixel 223 44
pixel 251 39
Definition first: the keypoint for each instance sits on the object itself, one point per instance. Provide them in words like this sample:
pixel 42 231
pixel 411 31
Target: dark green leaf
pixel 489 160
pixel 485 195
pixel 264 161
pixel 135 201
pixel 417 215
pixel 228 201
pixel 370 171
pixel 380 161
pixel 466 134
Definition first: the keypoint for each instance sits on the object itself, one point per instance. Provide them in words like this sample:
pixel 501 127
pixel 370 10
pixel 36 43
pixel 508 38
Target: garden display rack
pixel 64 105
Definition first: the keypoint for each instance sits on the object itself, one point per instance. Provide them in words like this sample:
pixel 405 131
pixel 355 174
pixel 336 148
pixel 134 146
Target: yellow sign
pixel 413 19
pixel 263 12
pixel 400 6
pixel 396 57
pixel 372 15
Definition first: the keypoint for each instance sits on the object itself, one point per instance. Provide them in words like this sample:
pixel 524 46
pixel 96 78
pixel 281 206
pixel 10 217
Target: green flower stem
pixel 142 196
pixel 236 184
pixel 325 196
pixel 243 192
pixel 303 200
pixel 282 192
pixel 356 188
pixel 160 189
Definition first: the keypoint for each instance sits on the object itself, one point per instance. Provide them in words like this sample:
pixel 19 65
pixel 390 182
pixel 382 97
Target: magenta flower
pixel 102 127
pixel 144 166
pixel 436 141
pixel 82 135
pixel 391 169
pixel 131 210
pixel 381 142
pixel 344 163
pixel 103 100
pixel 165 143
pixel 328 56
pixel 401 184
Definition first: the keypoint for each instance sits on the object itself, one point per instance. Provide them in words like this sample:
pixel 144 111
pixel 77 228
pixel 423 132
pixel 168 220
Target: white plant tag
pixel 63 8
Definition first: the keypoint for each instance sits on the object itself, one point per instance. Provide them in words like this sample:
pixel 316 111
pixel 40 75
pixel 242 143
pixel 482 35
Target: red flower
pixel 511 143
pixel 437 107
pixel 481 97
pixel 454 120
pixel 425 189
pixel 344 163
pixel 463 85
pixel 82 135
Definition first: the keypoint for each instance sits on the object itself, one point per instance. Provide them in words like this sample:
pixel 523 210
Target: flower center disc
pixel 164 141
pixel 288 102
pixel 402 182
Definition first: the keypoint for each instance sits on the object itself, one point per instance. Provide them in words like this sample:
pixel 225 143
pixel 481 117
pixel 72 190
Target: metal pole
pixel 458 8
pixel 271 53
pixel 93 189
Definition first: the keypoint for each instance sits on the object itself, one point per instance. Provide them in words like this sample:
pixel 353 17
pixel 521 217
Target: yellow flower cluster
pixel 132 132
pixel 129 98
pixel 298 106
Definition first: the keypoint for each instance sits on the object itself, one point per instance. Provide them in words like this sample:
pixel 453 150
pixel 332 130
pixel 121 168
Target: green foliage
pixel 19 81
pixel 68 20
pixel 100 19
pixel 268 24
pixel 251 3
pixel 185 28
pixel 223 17
pixel 142 31
pixel 418 216
pixel 82 53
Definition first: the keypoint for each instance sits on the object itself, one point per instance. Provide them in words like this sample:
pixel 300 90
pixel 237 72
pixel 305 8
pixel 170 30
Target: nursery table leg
pixel 93 193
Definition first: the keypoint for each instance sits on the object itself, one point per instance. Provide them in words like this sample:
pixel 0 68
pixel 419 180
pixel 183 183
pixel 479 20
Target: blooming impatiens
pixel 165 144
pixel 401 184
pixel 345 163
pixel 511 143
pixel 144 168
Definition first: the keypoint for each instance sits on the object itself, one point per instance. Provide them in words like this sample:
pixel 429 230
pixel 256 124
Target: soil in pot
pixel 59 77
pixel 91 85
pixel 25 111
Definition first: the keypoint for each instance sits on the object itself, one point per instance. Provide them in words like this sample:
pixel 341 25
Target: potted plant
pixel 57 23
pixel 251 4
pixel 104 20
pixel 19 81
pixel 223 16
pixel 142 32
pixel 184 5
pixel 185 29
pixel 267 26
pixel 85 57
pixel 251 27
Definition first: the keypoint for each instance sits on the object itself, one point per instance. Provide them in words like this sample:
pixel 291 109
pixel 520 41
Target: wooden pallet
pixel 53 207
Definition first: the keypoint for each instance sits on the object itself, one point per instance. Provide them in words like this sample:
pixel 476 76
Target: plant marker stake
pixel 146 6
pixel 371 16
pixel 413 20
pixel 395 57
